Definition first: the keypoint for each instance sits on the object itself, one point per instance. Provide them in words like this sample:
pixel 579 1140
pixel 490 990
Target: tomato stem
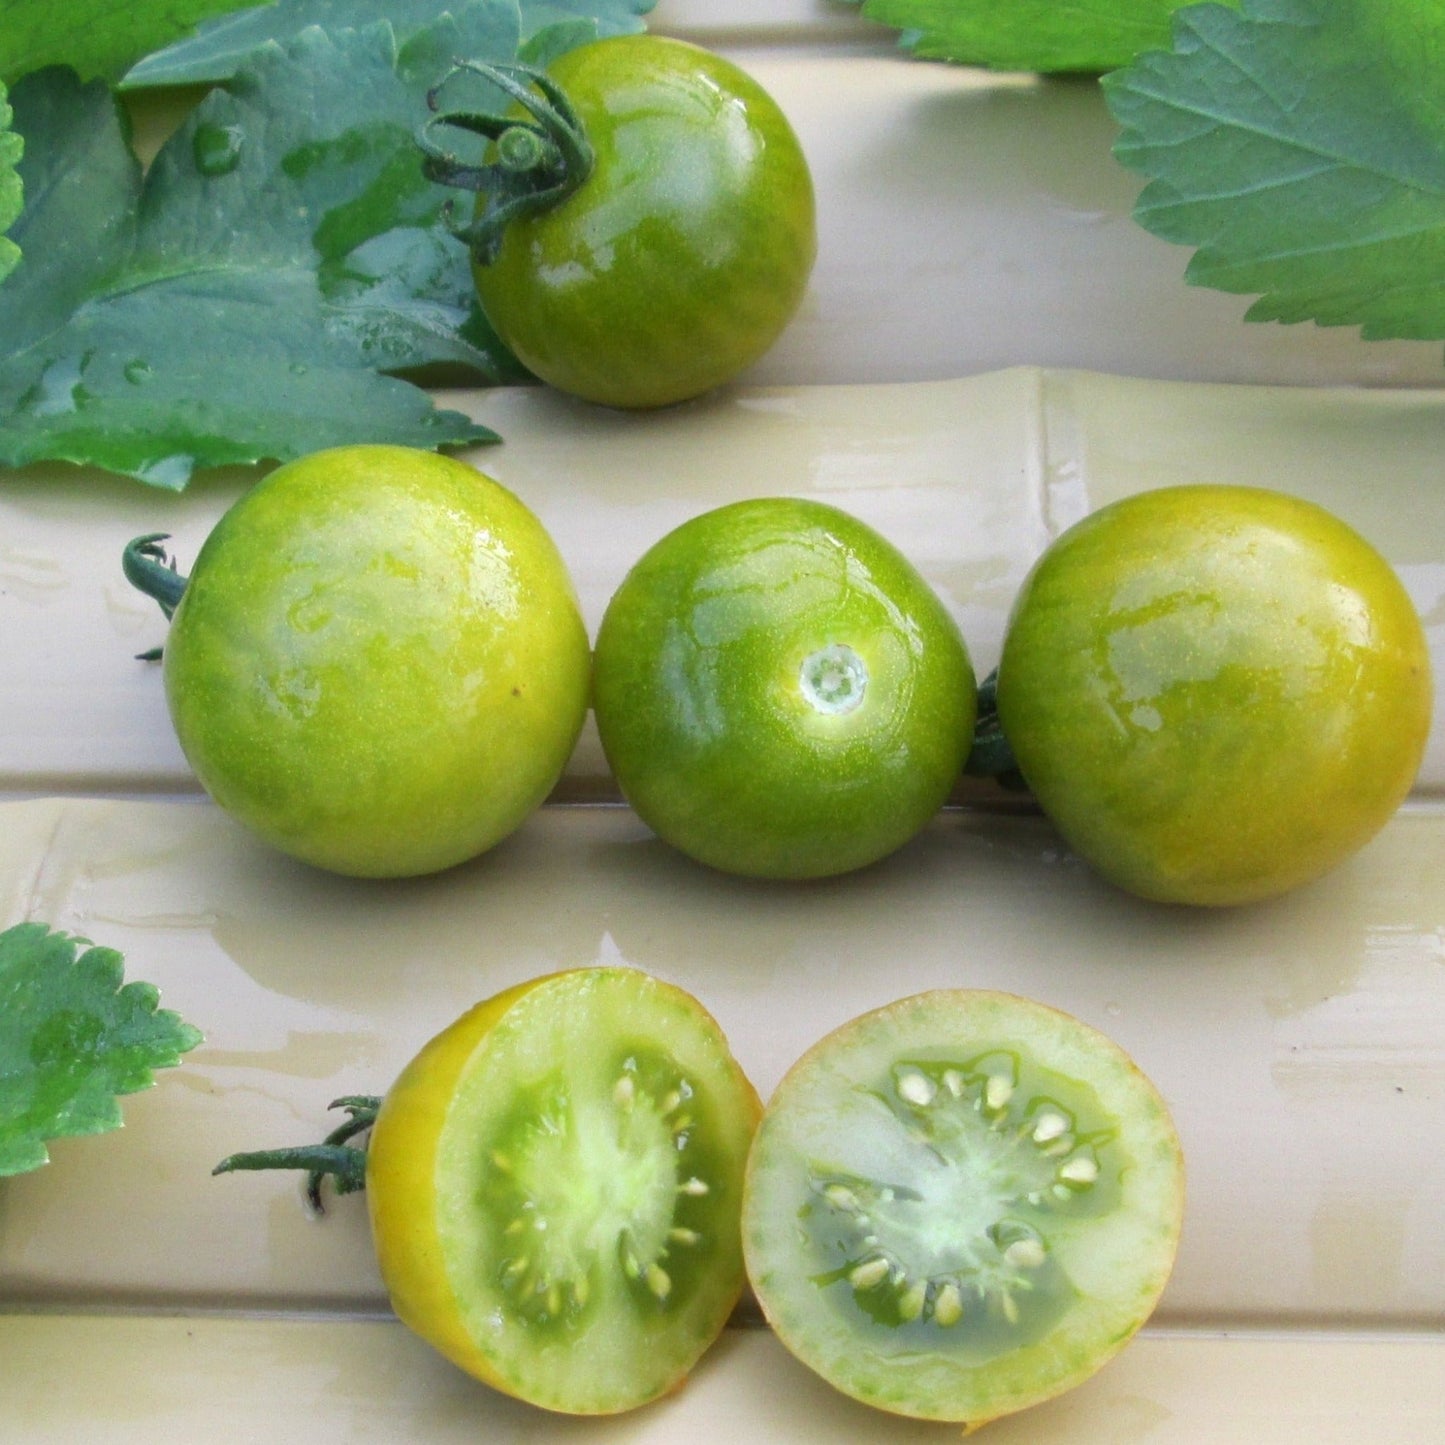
pixel 991 756
pixel 335 1157
pixel 538 162
pixel 150 570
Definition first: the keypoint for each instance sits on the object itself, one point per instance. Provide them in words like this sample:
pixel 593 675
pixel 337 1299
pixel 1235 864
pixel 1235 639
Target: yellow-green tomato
pixel 1216 693
pixel 378 662
pixel 687 249
pixel 554 1185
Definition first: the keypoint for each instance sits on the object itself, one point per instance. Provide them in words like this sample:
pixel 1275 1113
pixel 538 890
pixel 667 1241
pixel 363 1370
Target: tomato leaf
pixel 72 1038
pixel 243 299
pixel 12 191
pixel 1300 146
pixel 1035 35
pixel 94 37
pixel 221 46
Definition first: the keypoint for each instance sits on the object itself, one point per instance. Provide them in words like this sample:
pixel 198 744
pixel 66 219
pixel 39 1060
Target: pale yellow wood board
pixel 293 1382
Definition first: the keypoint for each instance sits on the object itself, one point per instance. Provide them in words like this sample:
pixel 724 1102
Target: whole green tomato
pixel 684 252
pixel 780 693
pixel 378 663
pixel 1215 693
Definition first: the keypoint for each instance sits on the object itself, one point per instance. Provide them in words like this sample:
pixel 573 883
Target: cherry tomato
pixel 378 662
pixel 961 1204
pixel 686 250
pixel 1215 693
pixel 554 1185
pixel 780 693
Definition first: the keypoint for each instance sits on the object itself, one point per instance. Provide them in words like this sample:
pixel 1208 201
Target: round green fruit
pixel 1215 693
pixel 686 250
pixel 378 662
pixel 779 693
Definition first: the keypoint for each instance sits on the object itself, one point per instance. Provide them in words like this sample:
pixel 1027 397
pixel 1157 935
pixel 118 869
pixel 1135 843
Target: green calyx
pixel 148 569
pixel 991 756
pixel 535 163
pixel 336 1158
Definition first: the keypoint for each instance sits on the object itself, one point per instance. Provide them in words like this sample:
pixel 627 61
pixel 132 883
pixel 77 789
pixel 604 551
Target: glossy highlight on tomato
pixel 687 249
pixel 961 1204
pixel 554 1184
pixel 378 663
pixel 780 693
pixel 1215 693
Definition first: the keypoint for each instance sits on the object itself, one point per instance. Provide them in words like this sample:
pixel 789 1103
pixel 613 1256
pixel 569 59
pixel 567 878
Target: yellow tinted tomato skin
pixel 1215 693
pixel 684 253
pixel 378 663
pixel 401 1186
pixel 704 718
pixel 414 1195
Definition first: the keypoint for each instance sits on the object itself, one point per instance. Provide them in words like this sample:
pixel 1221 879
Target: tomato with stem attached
pixel 377 663
pixel 554 1185
pixel 648 227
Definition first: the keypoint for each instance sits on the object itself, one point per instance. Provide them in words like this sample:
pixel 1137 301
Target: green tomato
pixel 683 254
pixel 1215 693
pixel 961 1204
pixel 554 1185
pixel 779 693
pixel 378 662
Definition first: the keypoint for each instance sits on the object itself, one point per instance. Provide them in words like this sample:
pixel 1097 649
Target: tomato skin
pixel 401 1185
pixel 686 251
pixel 378 663
pixel 1215 693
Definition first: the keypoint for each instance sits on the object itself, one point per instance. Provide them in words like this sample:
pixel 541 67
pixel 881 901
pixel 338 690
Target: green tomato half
pixel 1215 693
pixel 683 254
pixel 378 662
pixel 554 1185
pixel 961 1204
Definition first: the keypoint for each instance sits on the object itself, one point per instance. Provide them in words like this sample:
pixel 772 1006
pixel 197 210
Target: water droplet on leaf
pixel 217 149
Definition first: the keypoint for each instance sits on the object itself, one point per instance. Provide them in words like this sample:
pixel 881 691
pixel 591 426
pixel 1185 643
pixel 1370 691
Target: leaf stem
pixel 538 162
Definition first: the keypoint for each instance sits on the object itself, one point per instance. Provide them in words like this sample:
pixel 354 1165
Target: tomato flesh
pixel 1215 693
pixel 961 1204
pixel 684 253
pixel 554 1186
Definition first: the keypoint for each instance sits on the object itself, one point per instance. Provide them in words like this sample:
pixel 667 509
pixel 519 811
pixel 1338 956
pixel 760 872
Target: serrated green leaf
pixel 241 300
pixel 1300 146
pixel 220 47
pixel 1030 35
pixel 73 1036
pixel 12 190
pixel 93 37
